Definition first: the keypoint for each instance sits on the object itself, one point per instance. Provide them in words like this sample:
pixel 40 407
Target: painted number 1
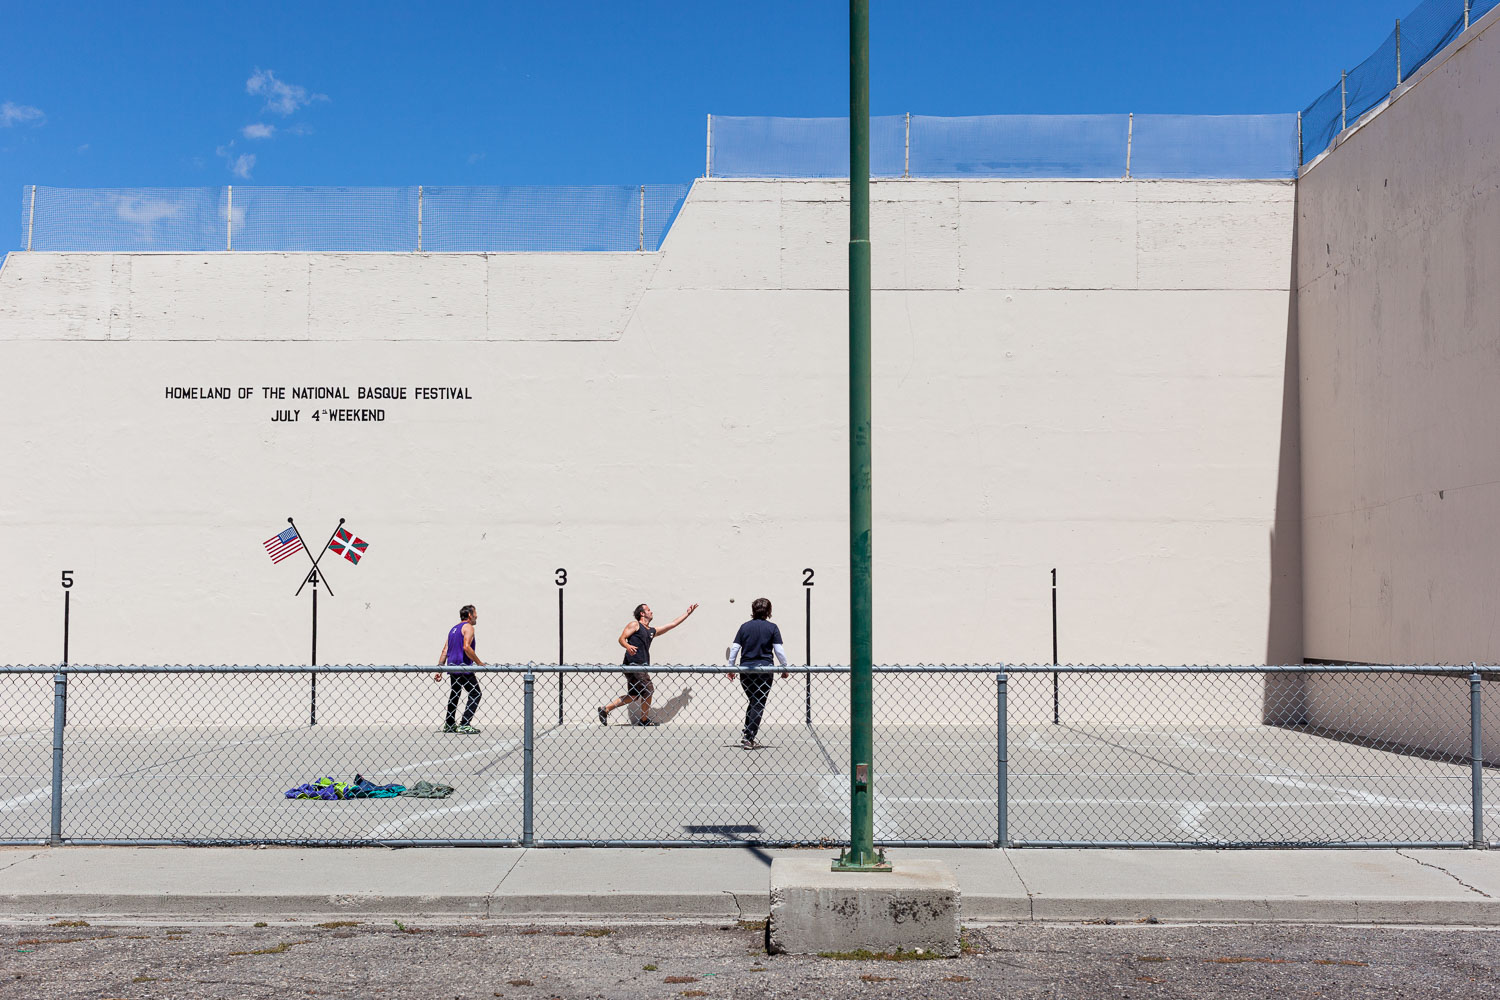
pixel 562 577
pixel 807 578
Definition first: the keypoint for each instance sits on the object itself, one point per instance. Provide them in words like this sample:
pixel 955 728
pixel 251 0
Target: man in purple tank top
pixel 458 651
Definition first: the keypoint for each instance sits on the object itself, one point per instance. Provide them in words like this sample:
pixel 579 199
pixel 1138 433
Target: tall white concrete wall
pixel 1398 249
pixel 1080 375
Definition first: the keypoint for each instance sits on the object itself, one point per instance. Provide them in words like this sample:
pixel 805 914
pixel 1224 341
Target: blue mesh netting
pixel 125 219
pixel 802 147
pixel 352 219
pixel 1322 121
pixel 1019 146
pixel 534 218
pixel 325 218
pixel 1238 146
pixel 1424 33
pixel 663 202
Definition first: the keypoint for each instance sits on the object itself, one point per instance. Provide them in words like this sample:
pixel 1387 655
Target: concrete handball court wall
pixel 1398 248
pixel 1081 375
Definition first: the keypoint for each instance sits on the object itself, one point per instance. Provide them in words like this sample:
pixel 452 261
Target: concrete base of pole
pixel 815 910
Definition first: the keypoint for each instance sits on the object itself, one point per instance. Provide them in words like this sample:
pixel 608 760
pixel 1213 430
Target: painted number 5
pixel 562 577
pixel 67 578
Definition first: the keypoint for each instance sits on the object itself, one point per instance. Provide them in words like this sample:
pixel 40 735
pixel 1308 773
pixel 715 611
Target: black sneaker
pixel 750 744
pixel 644 722
pixel 603 716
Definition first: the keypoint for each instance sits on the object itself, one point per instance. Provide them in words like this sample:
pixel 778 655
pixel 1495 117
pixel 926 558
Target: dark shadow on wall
pixel 1285 697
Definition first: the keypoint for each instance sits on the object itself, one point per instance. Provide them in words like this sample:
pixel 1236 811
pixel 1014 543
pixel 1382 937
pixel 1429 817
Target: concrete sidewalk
pixel 601 884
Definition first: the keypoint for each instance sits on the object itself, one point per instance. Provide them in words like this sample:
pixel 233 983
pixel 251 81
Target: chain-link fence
pixel 378 219
pixel 1414 40
pixel 1035 146
pixel 972 756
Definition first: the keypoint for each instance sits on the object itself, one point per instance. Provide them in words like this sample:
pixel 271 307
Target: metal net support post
pixel 419 218
pixel 229 219
pixel 1476 757
pixel 708 152
pixel 1343 99
pixel 1002 760
pixel 31 218
pixel 528 760
pixel 1398 51
pixel 59 710
pixel 1129 142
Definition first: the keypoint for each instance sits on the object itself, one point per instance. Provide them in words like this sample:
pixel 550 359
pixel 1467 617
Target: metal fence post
pixel 31 218
pixel 1476 758
pixel 1300 153
pixel 906 163
pixel 528 754
pixel 1002 761
pixel 59 707
pixel 643 218
pixel 1467 4
pixel 1343 99
pixel 419 218
pixel 229 221
pixel 1129 142
pixel 708 152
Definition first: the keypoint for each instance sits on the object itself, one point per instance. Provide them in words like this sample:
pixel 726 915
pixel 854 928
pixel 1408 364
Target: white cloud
pixel 241 165
pixel 476 157
pixel 258 131
pixel 282 98
pixel 300 128
pixel 20 114
pixel 84 148
pixel 144 211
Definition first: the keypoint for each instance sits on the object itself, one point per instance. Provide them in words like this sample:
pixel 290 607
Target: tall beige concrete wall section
pixel 1398 249
pixel 1082 375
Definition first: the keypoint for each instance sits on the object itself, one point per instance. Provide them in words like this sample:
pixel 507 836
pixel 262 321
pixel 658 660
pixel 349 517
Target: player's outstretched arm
pixel 677 621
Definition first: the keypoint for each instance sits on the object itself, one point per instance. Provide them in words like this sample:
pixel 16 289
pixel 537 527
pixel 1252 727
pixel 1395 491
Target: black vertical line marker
pixel 560 660
pixel 807 647
pixel 1054 646
pixel 314 700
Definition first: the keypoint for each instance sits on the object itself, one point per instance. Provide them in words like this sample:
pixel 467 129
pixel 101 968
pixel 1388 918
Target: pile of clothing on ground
pixel 363 788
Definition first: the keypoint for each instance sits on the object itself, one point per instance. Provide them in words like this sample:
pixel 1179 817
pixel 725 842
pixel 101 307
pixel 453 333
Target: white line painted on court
pixel 46 792
pixel 504 790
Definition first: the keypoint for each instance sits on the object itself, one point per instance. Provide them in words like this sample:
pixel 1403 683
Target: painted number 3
pixel 562 577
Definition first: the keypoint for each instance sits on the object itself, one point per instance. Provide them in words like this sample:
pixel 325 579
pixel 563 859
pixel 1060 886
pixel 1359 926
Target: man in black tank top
pixel 637 638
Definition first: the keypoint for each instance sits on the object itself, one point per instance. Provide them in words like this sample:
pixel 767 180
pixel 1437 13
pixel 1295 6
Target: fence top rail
pixel 609 668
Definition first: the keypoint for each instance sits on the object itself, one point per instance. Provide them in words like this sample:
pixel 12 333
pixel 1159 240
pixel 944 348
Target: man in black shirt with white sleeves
pixel 755 643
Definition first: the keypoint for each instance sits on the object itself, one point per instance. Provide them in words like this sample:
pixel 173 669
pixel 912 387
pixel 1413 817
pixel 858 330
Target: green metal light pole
pixel 861 855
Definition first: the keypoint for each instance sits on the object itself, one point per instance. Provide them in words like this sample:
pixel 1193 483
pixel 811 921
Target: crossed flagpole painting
pixel 342 542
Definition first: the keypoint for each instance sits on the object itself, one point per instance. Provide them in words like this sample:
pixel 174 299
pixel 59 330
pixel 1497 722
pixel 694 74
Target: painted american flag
pixel 285 544
pixel 345 544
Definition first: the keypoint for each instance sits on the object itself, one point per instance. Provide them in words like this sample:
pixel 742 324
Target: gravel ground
pixel 70 959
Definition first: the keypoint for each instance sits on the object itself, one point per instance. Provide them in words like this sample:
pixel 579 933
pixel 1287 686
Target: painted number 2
pixel 562 577
pixel 807 578
pixel 67 578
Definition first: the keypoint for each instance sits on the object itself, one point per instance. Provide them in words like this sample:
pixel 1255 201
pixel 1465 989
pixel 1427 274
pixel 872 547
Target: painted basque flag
pixel 345 544
pixel 285 544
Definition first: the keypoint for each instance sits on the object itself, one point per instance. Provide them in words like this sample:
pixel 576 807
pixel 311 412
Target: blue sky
pixel 166 94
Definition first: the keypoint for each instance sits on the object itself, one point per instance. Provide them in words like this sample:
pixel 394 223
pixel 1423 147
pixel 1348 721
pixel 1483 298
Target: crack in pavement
pixel 32 857
pixel 489 897
pixel 1427 864
pixel 1030 902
